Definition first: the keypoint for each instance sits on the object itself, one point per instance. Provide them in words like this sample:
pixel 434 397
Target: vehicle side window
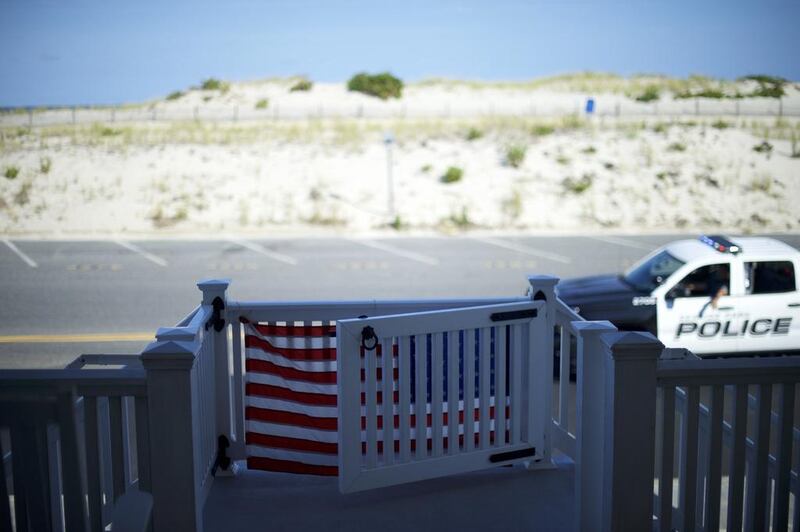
pixel 706 281
pixel 770 277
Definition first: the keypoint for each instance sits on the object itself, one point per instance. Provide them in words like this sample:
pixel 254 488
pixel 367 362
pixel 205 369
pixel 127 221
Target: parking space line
pixel 620 242
pixel 75 338
pixel 261 250
pixel 136 249
pixel 521 248
pixel 29 261
pixel 411 255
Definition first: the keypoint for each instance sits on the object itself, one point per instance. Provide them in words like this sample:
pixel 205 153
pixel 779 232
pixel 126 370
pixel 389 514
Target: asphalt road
pixel 54 292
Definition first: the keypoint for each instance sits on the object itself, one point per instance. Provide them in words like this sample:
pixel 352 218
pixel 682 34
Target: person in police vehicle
pixel 711 281
pixel 718 286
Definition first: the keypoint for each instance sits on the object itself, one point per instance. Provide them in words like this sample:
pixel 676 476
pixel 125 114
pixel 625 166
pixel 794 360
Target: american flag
pixel 291 395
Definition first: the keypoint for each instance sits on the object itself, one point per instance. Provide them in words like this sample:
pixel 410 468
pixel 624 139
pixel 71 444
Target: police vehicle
pixel 713 296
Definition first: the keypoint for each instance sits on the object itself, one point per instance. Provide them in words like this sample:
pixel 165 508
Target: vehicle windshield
pixel 650 273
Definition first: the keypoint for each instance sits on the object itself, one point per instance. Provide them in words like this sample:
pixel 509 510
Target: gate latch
pixel 367 334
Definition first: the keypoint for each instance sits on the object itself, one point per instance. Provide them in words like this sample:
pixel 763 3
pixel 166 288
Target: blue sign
pixel 589 106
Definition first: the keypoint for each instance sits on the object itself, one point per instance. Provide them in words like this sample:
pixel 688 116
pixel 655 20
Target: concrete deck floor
pixel 502 498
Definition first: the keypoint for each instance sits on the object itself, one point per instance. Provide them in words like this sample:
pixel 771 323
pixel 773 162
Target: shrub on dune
pixel 302 84
pixel 383 85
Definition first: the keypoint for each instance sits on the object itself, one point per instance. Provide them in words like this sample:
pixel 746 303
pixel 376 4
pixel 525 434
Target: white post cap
pixel 213 288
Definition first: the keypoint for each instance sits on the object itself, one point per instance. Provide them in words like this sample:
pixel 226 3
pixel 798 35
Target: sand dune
pixel 605 173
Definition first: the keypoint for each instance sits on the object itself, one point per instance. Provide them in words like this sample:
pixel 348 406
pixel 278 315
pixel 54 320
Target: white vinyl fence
pixel 660 439
pixel 471 427
pixel 727 475
pixel 76 435
pixel 135 436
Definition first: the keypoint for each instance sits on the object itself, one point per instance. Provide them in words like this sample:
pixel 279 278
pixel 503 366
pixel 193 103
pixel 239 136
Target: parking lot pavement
pixel 125 290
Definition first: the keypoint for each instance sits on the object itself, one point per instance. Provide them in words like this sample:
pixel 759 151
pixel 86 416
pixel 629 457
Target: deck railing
pixel 694 439
pixel 656 441
pixel 118 438
pixel 663 440
pixel 73 436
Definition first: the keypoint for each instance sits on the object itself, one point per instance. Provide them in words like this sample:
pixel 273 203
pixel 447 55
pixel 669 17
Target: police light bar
pixel 721 244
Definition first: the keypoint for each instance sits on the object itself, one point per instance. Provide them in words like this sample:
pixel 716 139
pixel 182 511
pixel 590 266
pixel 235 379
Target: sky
pixel 73 52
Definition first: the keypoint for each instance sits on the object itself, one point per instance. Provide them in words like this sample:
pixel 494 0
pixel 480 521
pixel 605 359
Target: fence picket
pixel 485 388
pixel 142 443
pixel 74 514
pixel 780 512
pixel 667 459
pixel 688 488
pixel 563 379
pixel 5 509
pixel 19 483
pixel 515 363
pixel 714 484
pixel 370 379
pixel 387 403
pixel 93 472
pixel 56 519
pixel 421 394
pixel 500 385
pixel 117 450
pixel 736 475
pixel 437 361
pixel 470 343
pixel 237 385
pixel 759 512
pixel 453 345
pixel 404 362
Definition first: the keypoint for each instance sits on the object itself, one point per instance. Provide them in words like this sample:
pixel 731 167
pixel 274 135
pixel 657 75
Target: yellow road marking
pixel 75 338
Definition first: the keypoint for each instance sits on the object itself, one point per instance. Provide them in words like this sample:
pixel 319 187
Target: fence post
pixel 629 444
pixel 168 364
pixel 214 295
pixel 590 413
pixel 540 365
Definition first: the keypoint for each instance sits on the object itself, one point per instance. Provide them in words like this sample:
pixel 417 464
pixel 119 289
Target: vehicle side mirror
pixel 669 297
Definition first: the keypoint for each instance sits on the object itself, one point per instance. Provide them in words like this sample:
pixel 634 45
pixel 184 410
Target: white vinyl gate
pixel 431 394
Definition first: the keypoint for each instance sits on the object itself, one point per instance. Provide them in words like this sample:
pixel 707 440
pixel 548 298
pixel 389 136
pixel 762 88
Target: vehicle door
pixel 769 306
pixel 696 311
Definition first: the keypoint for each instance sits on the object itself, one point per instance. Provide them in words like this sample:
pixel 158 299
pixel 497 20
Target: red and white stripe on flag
pixel 290 400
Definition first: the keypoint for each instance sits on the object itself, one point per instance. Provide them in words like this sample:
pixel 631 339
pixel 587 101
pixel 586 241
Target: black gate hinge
pixel 512 455
pixel 222 461
pixel 216 318
pixel 514 315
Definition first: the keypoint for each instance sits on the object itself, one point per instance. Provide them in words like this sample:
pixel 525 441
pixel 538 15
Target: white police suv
pixel 712 295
